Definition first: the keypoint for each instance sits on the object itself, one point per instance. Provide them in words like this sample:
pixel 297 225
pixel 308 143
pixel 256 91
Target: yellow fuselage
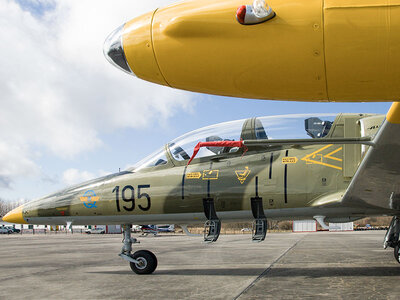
pixel 314 50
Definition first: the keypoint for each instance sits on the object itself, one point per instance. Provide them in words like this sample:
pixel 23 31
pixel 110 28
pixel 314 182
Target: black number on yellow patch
pixel 131 199
pixel 140 195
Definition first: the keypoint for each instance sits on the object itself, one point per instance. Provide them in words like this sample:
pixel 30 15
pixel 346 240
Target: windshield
pixel 157 158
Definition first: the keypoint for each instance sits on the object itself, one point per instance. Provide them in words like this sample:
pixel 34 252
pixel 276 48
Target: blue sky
pixel 36 7
pixel 68 115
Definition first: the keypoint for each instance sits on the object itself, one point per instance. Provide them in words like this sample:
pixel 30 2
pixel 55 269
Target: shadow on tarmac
pixel 277 272
pixel 335 272
pixel 188 272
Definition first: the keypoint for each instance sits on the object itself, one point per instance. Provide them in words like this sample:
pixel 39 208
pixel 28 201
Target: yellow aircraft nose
pixel 130 48
pixel 15 216
pixel 313 50
pixel 200 46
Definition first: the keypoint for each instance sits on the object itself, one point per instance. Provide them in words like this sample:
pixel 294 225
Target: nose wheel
pixel 397 253
pixel 142 261
pixel 392 237
pixel 146 262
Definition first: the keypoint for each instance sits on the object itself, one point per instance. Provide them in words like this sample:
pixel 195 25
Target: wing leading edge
pixel 377 180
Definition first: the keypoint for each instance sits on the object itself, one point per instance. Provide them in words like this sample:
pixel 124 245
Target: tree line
pixel 6 206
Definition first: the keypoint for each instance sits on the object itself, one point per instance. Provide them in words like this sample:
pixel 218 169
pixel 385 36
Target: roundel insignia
pixel 89 199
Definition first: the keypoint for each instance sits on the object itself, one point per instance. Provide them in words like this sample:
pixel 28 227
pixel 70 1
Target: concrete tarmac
pixel 346 265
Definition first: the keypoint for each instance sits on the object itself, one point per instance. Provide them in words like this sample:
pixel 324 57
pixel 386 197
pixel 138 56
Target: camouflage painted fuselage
pixel 294 182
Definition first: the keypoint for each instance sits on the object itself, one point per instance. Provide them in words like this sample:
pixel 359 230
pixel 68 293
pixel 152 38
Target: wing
pixel 377 180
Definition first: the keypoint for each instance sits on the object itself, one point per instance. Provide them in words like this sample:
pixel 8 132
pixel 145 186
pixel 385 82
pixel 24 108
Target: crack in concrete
pixel 265 272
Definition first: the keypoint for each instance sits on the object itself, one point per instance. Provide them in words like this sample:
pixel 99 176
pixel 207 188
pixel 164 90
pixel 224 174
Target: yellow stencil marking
pixel 329 155
pixel 242 174
pixel 289 160
pixel 317 157
pixel 93 198
pixel 310 158
pixel 62 208
pixel 193 175
pixel 210 174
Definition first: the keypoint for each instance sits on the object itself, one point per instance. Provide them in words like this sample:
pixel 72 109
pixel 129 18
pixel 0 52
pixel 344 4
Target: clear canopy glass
pixel 182 147
pixel 298 126
pixel 156 158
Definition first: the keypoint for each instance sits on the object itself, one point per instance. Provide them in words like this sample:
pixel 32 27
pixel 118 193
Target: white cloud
pixel 58 92
pixel 15 162
pixel 73 176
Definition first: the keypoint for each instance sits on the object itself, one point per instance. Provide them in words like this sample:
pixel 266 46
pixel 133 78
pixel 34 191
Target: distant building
pixel 304 225
pixel 341 226
pixel 311 225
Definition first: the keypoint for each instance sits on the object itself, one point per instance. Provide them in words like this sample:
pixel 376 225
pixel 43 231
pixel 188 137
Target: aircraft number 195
pixel 128 196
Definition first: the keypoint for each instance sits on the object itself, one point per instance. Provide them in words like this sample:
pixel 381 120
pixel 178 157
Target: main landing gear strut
pixel 392 237
pixel 142 261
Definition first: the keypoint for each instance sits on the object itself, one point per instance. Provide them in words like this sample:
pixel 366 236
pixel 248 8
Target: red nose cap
pixel 240 13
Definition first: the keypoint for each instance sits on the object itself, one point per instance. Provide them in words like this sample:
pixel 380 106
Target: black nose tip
pixel 114 51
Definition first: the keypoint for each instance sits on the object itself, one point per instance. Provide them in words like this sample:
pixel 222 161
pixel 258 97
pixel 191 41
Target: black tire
pixel 397 253
pixel 148 262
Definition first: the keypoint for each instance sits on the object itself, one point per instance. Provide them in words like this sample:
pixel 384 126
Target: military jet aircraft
pixel 303 50
pixel 333 168
pixel 155 229
pixel 149 229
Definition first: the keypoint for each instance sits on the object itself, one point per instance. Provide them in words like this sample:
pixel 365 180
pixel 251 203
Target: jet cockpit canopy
pixel 298 126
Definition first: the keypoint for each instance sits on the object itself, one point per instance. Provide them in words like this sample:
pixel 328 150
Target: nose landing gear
pixel 146 262
pixel 142 261
pixel 392 237
pixel 397 253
